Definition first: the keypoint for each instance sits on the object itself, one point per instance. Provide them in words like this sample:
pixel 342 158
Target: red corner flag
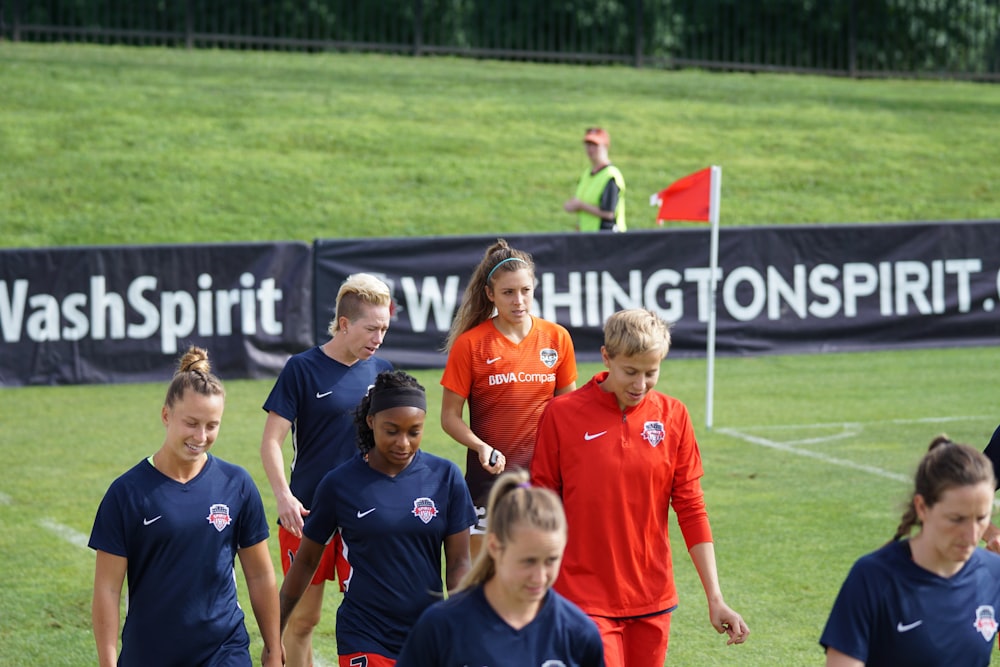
pixel 687 199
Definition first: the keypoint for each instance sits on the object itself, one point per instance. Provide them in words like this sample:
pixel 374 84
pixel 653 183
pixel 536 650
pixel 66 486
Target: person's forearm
pixel 597 211
pixel 703 557
pixel 455 571
pixel 298 577
pixel 274 468
pixel 264 602
pixel 460 432
pixel 105 619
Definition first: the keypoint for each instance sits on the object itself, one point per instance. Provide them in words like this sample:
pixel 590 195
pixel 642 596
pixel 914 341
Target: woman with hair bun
pixel 174 524
pixel 506 601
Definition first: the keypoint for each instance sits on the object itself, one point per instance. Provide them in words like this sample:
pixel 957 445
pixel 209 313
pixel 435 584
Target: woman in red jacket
pixel 619 454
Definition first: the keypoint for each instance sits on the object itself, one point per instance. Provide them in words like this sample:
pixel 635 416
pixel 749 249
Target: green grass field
pixel 806 469
pixel 808 461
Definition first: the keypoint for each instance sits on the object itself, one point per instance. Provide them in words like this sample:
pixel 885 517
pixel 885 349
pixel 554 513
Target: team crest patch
pixel 424 509
pixel 549 357
pixel 986 622
pixel 652 432
pixel 218 516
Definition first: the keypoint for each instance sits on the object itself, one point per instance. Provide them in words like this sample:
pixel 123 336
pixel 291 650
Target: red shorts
pixel 332 565
pixel 365 660
pixel 636 642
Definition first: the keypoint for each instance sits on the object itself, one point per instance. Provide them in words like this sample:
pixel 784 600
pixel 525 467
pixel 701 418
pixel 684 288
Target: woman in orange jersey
pixel 506 364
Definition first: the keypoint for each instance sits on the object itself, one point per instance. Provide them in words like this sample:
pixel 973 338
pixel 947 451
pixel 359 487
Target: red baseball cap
pixel 596 135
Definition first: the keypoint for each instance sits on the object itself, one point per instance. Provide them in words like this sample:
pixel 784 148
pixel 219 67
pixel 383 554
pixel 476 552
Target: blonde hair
pixel 476 307
pixel 358 291
pixel 194 372
pixel 636 331
pixel 514 503
pixel 946 465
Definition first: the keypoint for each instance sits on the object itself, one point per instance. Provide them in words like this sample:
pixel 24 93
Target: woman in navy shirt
pixel 505 612
pixel 930 599
pixel 396 507
pixel 175 524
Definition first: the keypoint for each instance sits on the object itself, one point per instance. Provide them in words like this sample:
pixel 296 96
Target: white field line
pixel 921 420
pixel 65 532
pixel 848 429
pixel 764 442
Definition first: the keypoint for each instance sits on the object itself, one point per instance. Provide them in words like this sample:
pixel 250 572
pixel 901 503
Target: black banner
pixel 125 314
pixel 779 289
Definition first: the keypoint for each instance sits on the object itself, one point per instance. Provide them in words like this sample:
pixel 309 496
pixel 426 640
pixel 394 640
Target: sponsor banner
pixel 126 314
pixel 789 289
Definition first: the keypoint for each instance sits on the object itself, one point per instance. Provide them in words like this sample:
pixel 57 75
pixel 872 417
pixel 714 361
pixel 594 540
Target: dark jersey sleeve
pixel 992 452
pixel 609 202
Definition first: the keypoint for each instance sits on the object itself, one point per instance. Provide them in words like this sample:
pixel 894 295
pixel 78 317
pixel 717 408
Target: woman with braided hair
pixel 395 508
pixel 930 598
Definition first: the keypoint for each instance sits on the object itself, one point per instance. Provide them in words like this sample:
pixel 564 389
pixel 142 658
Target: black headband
pixel 398 397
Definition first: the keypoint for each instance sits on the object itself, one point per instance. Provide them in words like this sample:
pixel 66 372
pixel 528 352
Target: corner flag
pixel 686 199
pixel 696 197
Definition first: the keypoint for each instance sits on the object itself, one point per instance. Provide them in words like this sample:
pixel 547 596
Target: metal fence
pixel 940 38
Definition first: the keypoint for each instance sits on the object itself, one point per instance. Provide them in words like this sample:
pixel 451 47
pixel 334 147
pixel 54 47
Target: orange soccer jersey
pixel 507 385
pixel 618 473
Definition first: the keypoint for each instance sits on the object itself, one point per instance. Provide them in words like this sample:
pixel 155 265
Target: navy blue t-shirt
pixel 393 530
pixel 319 395
pixel 465 630
pixel 891 612
pixel 181 542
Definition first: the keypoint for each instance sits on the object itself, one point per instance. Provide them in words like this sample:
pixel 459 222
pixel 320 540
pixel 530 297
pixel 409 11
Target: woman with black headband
pixel 395 507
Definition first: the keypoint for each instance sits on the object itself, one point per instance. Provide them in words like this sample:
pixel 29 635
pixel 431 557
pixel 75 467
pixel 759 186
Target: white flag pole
pixel 713 263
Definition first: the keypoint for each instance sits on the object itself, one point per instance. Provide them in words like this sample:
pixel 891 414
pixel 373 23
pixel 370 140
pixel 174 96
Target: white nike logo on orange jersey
pixel 591 436
pixel 490 362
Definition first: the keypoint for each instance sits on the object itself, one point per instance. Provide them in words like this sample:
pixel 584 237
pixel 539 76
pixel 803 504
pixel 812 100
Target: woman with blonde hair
pixel 623 456
pixel 314 398
pixel 506 600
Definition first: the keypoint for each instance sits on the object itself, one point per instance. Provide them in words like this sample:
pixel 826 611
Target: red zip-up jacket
pixel 618 472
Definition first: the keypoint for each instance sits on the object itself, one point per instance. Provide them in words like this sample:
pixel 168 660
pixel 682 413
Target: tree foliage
pixel 959 36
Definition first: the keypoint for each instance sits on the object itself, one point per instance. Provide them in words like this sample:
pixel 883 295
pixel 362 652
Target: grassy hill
pixel 108 145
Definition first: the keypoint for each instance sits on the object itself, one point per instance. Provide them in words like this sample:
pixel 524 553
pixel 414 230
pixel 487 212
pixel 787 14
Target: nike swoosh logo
pixel 146 522
pixel 909 626
pixel 323 395
pixel 490 362
pixel 362 515
pixel 591 436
